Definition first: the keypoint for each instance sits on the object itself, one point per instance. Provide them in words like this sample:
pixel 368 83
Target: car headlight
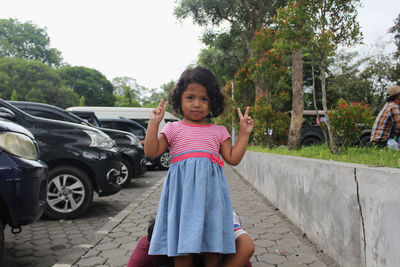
pixel 100 139
pixel 134 141
pixel 19 145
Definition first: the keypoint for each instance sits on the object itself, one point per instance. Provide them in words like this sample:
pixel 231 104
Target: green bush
pixel 270 127
pixel 349 119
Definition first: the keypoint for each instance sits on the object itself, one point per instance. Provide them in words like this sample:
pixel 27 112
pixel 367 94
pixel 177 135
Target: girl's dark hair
pixel 207 79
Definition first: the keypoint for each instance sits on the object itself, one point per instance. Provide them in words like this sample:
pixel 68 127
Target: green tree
pixel 225 54
pixel 395 29
pixel 243 18
pixel 395 73
pixel 294 33
pixel 128 92
pixel 82 101
pixel 333 23
pixel 90 83
pixel 28 41
pixel 14 95
pixel 33 80
pixel 157 94
pixel 378 71
pixel 346 80
pixel 267 65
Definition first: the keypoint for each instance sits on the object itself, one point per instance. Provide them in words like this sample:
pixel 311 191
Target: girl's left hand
pixel 246 122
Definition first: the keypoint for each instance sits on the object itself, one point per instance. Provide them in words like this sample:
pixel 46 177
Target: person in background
pixel 244 250
pixel 387 123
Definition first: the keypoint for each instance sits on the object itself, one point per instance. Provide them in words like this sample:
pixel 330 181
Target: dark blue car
pixel 23 179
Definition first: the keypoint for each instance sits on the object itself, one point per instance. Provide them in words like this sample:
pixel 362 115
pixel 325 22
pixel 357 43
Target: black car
pixel 132 153
pixel 311 132
pixel 23 179
pixel 81 160
pixel 123 124
pixel 88 116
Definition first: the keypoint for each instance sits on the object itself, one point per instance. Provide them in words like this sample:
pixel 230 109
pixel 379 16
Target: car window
pixel 127 127
pixel 47 115
pixel 107 124
pixel 142 122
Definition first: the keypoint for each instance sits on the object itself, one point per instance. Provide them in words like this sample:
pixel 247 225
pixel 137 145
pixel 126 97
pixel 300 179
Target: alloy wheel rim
pixel 123 174
pixel 165 160
pixel 65 193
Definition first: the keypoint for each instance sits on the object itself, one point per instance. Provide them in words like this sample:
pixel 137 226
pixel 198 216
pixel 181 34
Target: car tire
pixel 69 193
pixel 126 173
pixel 309 141
pixel 164 161
pixel 365 140
pixel 1 240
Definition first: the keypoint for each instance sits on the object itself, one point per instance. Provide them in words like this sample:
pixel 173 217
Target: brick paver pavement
pixel 278 242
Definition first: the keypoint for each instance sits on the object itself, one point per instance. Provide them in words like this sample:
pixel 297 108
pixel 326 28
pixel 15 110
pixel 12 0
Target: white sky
pixel 141 38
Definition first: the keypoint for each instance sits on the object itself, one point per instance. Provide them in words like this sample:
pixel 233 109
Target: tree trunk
pixel 315 101
pixel 325 106
pixel 294 141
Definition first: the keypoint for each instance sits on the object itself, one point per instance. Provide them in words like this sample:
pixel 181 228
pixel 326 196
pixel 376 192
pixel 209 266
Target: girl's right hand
pixel 157 114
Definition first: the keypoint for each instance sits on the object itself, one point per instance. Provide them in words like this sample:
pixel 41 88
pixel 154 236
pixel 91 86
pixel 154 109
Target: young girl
pixel 195 213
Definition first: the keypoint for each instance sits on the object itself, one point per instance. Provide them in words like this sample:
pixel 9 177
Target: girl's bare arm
pixel 234 154
pixel 154 144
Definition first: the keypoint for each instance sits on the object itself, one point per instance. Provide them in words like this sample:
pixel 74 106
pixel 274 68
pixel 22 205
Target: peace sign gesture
pixel 157 114
pixel 246 122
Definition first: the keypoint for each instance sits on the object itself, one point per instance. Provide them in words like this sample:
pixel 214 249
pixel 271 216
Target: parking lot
pixel 44 242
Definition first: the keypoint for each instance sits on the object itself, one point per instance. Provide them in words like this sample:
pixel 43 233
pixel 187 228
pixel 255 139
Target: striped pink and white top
pixel 199 140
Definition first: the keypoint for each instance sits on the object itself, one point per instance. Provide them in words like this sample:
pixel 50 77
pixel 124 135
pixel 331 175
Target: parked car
pixel 140 115
pixel 162 162
pixel 124 124
pixel 89 117
pixel 311 132
pixel 132 153
pixel 81 160
pixel 23 179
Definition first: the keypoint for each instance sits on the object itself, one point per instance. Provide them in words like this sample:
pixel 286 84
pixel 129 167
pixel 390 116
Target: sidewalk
pixel 278 242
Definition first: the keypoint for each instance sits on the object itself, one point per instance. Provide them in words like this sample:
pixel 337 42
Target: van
pixel 140 115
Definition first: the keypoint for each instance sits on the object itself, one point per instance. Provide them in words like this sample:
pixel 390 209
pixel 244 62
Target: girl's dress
pixel 195 212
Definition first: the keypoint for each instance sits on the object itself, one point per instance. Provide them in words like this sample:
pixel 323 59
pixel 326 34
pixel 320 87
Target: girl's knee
pixel 213 260
pixel 183 261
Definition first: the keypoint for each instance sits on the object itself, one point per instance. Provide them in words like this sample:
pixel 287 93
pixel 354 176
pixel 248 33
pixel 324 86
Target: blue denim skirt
pixel 195 211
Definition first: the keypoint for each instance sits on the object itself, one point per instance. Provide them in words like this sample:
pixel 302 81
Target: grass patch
pixel 370 156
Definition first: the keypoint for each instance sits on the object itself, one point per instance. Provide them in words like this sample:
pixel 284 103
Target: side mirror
pixel 6 113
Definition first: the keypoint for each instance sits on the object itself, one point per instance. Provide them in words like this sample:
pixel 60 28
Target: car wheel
pixel 365 140
pixel 1 240
pixel 164 161
pixel 126 173
pixel 69 193
pixel 309 141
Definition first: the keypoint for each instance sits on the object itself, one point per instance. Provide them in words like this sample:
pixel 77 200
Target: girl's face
pixel 195 104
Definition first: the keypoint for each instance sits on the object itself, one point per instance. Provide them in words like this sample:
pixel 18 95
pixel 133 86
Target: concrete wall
pixel 351 211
